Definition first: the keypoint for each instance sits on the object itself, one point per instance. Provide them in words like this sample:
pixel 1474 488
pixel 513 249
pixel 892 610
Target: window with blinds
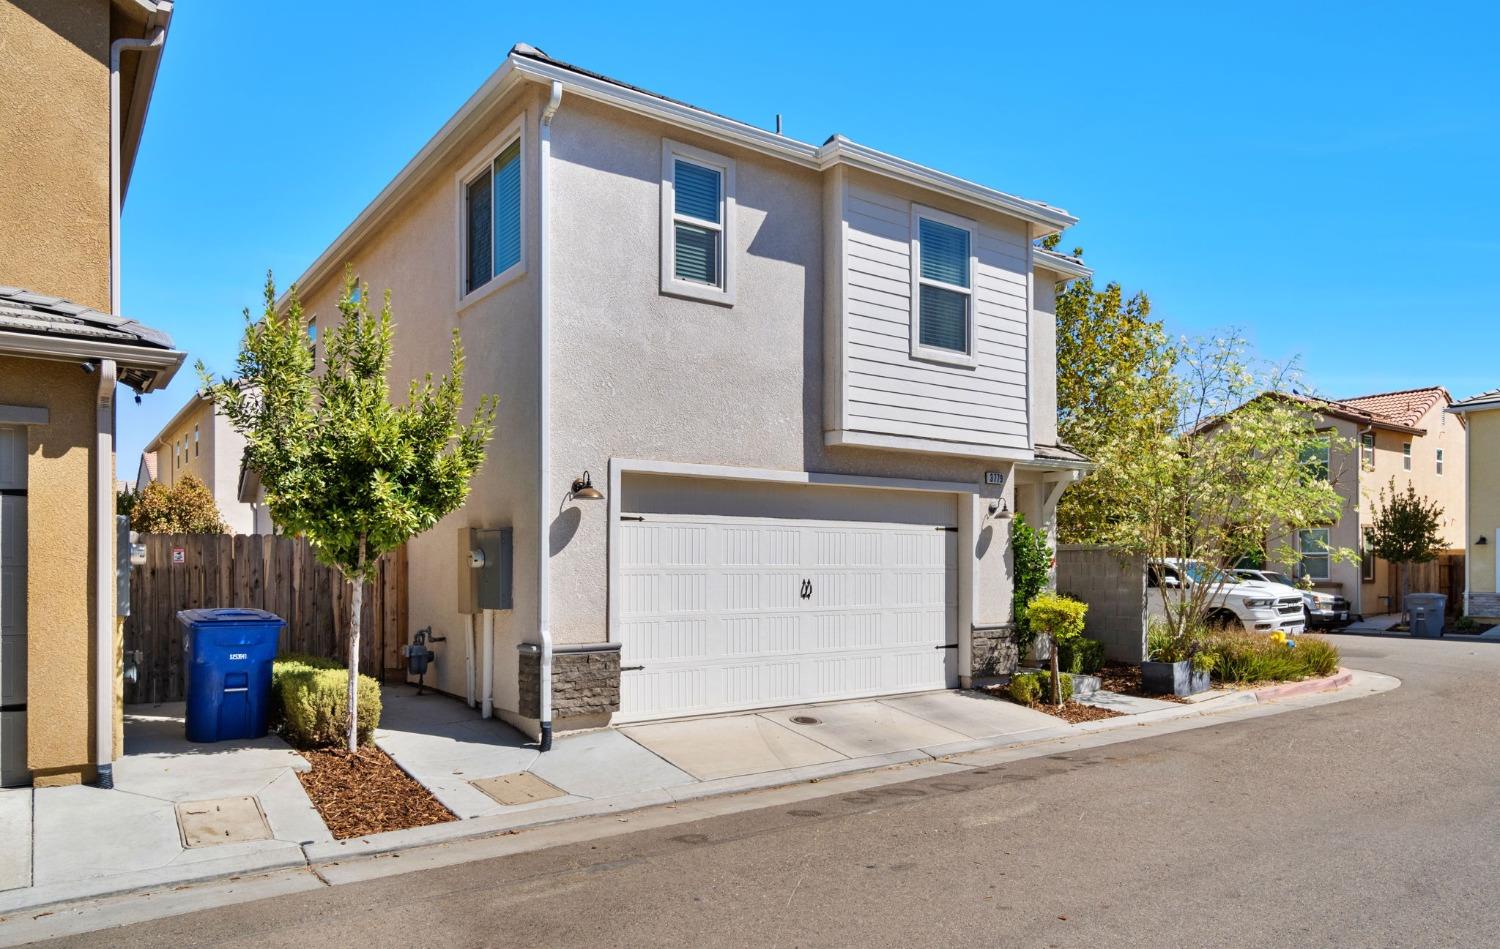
pixel 944 291
pixel 697 219
pixel 492 219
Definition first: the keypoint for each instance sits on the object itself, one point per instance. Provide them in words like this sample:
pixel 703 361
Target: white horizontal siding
pixel 888 392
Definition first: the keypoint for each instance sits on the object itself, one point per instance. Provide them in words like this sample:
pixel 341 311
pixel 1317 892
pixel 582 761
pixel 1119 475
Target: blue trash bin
pixel 227 654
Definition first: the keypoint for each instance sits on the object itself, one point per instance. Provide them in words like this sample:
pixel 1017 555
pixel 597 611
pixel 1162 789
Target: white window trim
pixel 670 285
pixel 969 359
pixel 1406 455
pixel 1439 462
pixel 515 131
pixel 1367 451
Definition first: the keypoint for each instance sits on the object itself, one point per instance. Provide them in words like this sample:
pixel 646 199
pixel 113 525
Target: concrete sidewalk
pixel 86 842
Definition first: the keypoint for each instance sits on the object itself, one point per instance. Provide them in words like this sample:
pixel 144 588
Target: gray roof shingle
pixel 22 311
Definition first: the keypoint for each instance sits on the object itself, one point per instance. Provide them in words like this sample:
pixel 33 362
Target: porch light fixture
pixel 1481 541
pixel 584 490
pixel 998 508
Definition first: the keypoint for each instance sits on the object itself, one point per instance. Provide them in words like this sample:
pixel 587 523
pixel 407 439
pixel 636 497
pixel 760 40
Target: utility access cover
pixel 521 788
pixel 228 820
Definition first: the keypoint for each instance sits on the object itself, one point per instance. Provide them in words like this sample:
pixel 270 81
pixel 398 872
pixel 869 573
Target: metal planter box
pixel 1175 678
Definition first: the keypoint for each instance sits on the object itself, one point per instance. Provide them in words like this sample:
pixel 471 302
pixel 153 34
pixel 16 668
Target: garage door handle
pixel 806 589
pixel 947 646
pixel 631 668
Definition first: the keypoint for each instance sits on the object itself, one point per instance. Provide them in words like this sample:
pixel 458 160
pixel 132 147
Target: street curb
pixel 1338 680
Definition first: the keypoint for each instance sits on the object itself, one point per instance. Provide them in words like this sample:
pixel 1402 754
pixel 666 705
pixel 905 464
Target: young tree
pixel 1114 386
pixel 186 507
pixel 340 464
pixel 1227 470
pixel 1406 529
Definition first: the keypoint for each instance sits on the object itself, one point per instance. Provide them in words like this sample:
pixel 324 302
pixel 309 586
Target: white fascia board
pixel 1464 408
pixel 620 466
pixel 163 363
pixel 840 150
pixel 478 106
pixel 1060 264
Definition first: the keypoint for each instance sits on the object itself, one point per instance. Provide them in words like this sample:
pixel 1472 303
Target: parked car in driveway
pixel 1257 606
pixel 1322 610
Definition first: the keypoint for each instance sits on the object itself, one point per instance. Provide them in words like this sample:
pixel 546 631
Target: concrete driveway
pixel 1365 822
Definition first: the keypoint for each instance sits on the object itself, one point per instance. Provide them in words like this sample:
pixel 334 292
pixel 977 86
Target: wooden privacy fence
pixel 279 574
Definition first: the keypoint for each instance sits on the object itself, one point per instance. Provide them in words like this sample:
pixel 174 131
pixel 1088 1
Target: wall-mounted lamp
pixel 998 508
pixel 584 490
pixel 1481 541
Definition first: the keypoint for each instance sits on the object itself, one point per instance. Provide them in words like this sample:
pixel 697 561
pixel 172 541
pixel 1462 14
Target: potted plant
pixel 1176 664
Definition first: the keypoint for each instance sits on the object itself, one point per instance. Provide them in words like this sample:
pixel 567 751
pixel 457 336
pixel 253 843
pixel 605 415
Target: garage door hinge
pixel 951 530
pixel 947 646
pixel 631 517
pixel 631 668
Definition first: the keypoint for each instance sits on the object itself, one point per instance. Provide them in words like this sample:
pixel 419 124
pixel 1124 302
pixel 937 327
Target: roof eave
pixel 1464 408
pixel 155 367
pixel 133 124
pixel 1061 264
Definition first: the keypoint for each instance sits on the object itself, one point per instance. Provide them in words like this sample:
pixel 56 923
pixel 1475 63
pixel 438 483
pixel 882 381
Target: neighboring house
pixel 1480 533
pixel 62 352
pixel 812 383
pixel 201 442
pixel 1408 436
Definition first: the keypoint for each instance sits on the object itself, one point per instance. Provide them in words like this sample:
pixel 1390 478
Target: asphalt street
pixel 1369 822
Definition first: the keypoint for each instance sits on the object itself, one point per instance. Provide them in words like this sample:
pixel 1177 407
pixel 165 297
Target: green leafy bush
pixel 1080 655
pixel 1032 557
pixel 310 701
pixel 1249 657
pixel 1034 688
pixel 1162 645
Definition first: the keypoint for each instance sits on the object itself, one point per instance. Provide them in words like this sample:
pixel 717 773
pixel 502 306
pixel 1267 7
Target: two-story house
pixel 75 81
pixel 199 441
pixel 1479 531
pixel 1410 437
pixel 812 384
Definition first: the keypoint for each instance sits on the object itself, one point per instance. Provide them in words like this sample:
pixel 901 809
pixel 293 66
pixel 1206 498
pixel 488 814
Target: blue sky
pixel 1323 176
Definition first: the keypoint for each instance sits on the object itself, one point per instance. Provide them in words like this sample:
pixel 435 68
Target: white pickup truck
pixel 1257 606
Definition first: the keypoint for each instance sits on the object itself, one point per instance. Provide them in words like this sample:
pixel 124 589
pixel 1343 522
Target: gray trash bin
pixel 1427 611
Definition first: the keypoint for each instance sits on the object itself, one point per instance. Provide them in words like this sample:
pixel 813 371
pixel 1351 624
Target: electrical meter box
pixel 485 569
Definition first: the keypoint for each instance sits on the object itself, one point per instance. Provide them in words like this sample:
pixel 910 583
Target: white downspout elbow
pixel 544 428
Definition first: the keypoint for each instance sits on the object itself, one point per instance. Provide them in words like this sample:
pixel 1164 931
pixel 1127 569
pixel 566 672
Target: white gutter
pixel 544 430
pixel 104 575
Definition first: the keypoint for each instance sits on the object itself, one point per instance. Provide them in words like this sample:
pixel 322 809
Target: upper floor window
pixel 1316 563
pixel 1367 451
pixel 1315 457
pixel 1406 456
pixel 1367 556
pixel 697 224
pixel 942 255
pixel 1439 461
pixel 491 211
pixel 195 441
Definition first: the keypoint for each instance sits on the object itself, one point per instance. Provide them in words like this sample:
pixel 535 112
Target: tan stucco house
pixel 1406 435
pixel 200 441
pixel 812 382
pixel 76 75
pixel 1481 530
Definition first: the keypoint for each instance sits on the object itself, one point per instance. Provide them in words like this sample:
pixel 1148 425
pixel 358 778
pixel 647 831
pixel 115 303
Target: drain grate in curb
pixel 520 788
pixel 228 820
pixel 806 720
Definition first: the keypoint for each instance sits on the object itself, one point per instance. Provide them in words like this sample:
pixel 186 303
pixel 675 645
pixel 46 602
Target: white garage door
pixel 13 606
pixel 722 613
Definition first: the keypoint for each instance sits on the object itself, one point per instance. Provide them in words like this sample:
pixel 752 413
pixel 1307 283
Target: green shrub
pixel 1031 556
pixel 1163 645
pixel 310 701
pixel 1035 688
pixel 1080 655
pixel 1250 657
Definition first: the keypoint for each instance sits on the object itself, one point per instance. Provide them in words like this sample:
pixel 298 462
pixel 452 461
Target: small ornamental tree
pixel 1058 618
pixel 1032 557
pixel 1406 529
pixel 186 507
pixel 341 465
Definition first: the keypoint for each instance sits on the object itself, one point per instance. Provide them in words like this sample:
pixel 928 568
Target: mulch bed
pixel 1075 712
pixel 1125 679
pixel 366 793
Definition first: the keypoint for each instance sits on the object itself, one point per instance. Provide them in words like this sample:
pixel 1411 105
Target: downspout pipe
pixel 104 576
pixel 544 427
pixel 104 447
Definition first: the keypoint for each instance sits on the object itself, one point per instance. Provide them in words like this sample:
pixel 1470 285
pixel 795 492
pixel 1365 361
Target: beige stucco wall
pixel 54 166
pixel 58 589
pixel 1484 500
pixel 212 454
pixel 415 255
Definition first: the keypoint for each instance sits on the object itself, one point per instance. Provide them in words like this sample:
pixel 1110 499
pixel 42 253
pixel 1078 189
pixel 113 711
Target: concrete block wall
pixel 1114 587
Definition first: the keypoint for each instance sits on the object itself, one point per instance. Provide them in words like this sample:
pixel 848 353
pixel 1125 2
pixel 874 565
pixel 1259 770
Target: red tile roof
pixel 1405 407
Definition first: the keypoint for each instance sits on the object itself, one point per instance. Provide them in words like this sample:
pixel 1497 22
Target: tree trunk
pixel 356 606
pixel 357 603
pixel 1056 679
